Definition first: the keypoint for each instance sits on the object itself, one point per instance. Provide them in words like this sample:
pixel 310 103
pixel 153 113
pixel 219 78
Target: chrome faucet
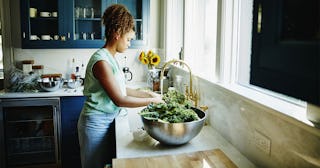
pixel 190 94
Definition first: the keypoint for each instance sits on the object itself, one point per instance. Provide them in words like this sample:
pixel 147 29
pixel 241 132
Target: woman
pixel 105 90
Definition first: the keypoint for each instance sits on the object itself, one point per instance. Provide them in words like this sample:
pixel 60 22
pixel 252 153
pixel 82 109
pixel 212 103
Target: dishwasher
pixel 29 132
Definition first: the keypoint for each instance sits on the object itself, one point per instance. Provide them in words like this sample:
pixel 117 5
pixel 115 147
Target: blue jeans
pixel 97 139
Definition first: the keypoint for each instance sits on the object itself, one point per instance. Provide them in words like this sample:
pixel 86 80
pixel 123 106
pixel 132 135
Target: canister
pixel 27 66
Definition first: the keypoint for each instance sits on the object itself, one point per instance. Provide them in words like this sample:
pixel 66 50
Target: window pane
pixel 200 37
pixel 302 25
pixel 174 28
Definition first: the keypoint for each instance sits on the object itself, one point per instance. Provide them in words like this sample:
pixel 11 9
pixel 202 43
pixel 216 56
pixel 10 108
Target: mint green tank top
pixel 97 100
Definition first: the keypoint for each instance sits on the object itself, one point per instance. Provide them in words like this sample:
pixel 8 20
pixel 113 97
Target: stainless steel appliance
pixel 29 129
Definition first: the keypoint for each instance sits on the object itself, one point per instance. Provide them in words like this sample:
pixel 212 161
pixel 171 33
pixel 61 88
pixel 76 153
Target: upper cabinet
pixel 75 24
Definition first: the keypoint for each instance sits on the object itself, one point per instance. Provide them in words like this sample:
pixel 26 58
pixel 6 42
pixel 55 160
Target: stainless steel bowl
pixel 50 86
pixel 174 133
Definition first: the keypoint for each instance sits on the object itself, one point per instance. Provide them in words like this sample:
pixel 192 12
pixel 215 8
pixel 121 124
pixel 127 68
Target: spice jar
pixel 156 84
pixel 27 66
pixel 37 69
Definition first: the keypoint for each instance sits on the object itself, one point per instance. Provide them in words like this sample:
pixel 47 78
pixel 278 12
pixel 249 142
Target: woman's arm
pixel 103 72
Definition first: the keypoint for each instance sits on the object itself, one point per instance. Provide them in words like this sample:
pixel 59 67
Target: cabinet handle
pixel 24 35
pixel 56 133
pixel 68 35
pixel 259 18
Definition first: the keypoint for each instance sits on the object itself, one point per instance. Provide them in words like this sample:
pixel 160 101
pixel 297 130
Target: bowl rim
pixel 193 108
pixel 50 89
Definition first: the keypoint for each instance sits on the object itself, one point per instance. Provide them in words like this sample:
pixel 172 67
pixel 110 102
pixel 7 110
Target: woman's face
pixel 124 41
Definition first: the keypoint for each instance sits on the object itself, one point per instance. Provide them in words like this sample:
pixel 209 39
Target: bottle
pixel 73 69
pixel 82 71
pixel 77 73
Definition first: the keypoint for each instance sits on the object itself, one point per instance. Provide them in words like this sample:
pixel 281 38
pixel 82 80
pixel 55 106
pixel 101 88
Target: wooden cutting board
pixel 203 159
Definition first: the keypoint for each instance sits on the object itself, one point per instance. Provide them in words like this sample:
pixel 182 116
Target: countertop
pixel 201 159
pixel 207 139
pixel 59 93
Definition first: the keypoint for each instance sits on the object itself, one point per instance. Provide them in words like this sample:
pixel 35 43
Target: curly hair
pixel 117 19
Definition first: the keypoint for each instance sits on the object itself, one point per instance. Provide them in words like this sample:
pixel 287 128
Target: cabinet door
pixel 140 9
pixel 85 24
pixel 29 132
pixel 87 28
pixel 42 24
pixel 70 110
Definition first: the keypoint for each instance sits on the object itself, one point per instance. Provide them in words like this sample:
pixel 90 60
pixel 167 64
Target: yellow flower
pixel 145 60
pixel 142 55
pixel 150 59
pixel 149 54
pixel 155 59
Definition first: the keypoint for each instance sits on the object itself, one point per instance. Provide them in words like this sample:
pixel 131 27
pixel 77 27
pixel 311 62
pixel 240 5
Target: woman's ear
pixel 117 36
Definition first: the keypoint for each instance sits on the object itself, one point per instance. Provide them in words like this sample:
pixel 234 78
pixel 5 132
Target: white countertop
pixel 59 93
pixel 207 139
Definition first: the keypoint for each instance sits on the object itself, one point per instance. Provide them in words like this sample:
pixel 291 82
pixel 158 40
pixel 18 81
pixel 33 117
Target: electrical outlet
pixel 262 142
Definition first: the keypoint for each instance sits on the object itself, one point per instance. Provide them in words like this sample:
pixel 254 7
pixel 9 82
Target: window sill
pixel 287 111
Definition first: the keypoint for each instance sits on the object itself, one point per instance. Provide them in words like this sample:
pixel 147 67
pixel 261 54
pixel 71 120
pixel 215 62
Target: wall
pixel 58 60
pixel 238 119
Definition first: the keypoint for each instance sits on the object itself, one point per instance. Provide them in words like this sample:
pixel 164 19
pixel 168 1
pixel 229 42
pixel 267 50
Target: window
pixel 200 37
pixel 196 44
pixel 285 48
pixel 222 55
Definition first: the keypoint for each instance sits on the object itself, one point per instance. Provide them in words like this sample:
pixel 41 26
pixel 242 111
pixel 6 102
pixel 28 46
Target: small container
pixel 27 66
pixel 37 69
pixel 156 85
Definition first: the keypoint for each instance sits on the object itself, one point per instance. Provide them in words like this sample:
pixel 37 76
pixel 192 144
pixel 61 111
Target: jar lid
pixel 28 62
pixel 37 67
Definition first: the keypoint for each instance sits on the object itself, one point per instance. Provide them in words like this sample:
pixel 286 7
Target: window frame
pixel 234 26
pixel 235 69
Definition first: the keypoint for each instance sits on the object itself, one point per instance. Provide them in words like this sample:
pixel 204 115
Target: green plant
pixel 176 109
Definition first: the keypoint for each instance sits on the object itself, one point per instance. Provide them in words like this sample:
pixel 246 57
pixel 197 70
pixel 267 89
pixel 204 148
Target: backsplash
pixel 59 61
pixel 241 121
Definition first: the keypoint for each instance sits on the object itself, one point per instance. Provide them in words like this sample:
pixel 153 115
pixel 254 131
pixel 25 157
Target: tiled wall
pixel 238 119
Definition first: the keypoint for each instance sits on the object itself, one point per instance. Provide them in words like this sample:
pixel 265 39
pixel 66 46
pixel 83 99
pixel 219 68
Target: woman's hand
pixel 153 94
pixel 157 99
pixel 154 97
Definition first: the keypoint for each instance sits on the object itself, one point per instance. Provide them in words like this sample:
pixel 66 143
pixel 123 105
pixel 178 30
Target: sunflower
pixel 145 60
pixel 142 55
pixel 155 59
pixel 149 54
pixel 150 59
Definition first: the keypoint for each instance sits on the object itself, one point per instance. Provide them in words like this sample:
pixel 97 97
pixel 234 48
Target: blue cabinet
pixel 70 110
pixel 75 23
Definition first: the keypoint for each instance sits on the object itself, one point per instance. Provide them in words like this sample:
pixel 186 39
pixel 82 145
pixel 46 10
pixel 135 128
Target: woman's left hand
pixel 153 94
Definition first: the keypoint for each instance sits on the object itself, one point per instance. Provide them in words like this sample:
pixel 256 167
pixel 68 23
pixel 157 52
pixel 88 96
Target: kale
pixel 176 109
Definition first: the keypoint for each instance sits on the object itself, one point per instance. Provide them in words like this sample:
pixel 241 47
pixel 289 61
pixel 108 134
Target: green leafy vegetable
pixel 176 109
